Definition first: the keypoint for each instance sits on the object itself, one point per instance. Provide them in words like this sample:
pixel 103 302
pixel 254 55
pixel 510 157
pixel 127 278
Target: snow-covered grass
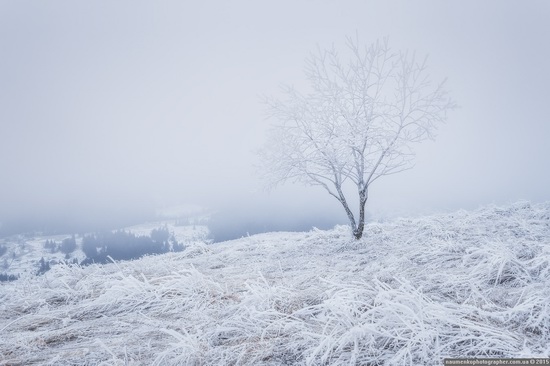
pixel 412 292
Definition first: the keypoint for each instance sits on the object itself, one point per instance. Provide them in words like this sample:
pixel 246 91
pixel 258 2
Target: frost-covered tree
pixel 68 245
pixel 357 123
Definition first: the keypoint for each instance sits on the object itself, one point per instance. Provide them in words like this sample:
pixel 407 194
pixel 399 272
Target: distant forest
pixel 102 246
pixel 122 245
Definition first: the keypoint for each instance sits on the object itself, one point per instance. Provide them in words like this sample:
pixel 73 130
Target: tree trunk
pixel 358 232
pixel 356 227
pixel 344 203
pixel 350 216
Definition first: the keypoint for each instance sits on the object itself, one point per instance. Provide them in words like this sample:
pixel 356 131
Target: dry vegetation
pixel 412 292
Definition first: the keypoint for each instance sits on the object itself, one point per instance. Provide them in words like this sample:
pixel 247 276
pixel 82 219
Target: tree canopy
pixel 357 123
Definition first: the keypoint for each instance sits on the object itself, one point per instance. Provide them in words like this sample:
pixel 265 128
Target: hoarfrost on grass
pixel 413 291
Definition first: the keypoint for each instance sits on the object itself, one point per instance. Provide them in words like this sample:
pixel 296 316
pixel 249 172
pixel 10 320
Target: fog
pixel 112 110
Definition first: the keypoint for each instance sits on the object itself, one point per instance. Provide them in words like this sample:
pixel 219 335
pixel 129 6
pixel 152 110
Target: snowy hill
pixel 412 292
pixel 24 252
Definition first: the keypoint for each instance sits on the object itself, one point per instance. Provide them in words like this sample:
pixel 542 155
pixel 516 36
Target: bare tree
pixel 356 124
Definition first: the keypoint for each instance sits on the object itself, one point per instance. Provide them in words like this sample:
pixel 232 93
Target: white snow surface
pixel 411 292
pixel 24 253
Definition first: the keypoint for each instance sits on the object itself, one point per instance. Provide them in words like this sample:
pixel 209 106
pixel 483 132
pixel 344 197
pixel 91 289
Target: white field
pixel 412 292
pixel 24 253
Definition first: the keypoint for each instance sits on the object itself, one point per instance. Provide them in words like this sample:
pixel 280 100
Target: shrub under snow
pixel 412 292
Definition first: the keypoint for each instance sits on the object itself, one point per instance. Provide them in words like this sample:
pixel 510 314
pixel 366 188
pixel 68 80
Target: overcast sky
pixel 118 105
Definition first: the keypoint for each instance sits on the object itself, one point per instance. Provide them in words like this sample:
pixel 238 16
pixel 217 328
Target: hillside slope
pixel 412 292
